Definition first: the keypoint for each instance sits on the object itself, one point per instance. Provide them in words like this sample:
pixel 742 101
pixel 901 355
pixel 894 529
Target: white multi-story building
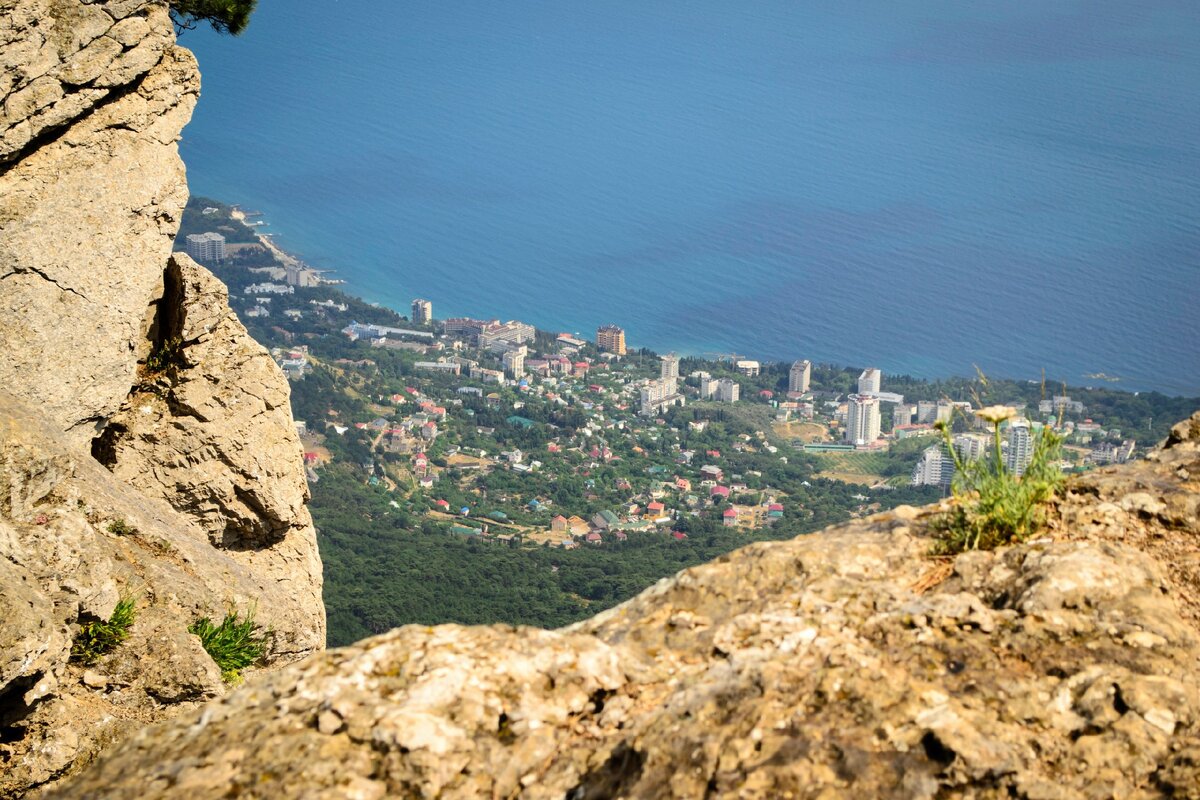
pixel 727 391
pixel 936 468
pixel 862 420
pixel 658 394
pixel 269 288
pixel 207 248
pixel 708 387
pixel 870 381
pixel 670 367
pixel 748 368
pixel 1020 447
pixel 502 336
pixel 972 446
pixel 514 362
pixel 304 277
pixel 422 312
pixel 902 415
pixel 799 376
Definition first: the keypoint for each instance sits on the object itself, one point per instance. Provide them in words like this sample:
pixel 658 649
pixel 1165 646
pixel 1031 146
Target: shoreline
pixel 286 259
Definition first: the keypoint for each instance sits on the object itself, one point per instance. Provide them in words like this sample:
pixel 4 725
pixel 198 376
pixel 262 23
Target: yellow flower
pixel 996 414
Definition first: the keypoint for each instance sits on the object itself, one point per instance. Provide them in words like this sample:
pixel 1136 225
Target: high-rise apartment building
pixel 799 376
pixel 611 339
pixel 870 381
pixel 728 391
pixel 902 415
pixel 748 368
pixel 862 420
pixel 514 361
pixel 936 468
pixel 971 446
pixel 1020 447
pixel 207 248
pixel 422 312
pixel 658 394
pixel 670 366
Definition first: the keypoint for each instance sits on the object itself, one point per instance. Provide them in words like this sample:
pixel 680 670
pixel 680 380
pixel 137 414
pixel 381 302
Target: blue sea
pixel 921 186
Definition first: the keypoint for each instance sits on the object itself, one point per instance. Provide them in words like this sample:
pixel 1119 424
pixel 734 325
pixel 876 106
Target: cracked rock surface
pixel 828 666
pixel 91 191
pixel 62 564
pixel 93 97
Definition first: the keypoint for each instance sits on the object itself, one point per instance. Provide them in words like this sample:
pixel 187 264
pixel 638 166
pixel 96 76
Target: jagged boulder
pixel 842 664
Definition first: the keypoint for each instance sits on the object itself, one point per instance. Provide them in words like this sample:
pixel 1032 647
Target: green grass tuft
pixel 996 507
pixel 119 527
pixel 234 644
pixel 96 639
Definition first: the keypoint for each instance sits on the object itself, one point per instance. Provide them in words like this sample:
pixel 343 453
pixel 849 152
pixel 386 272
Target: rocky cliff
pixel 129 393
pixel 842 664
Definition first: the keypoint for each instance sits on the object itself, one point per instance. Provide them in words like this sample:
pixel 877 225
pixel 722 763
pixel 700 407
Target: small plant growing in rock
pixel 99 638
pixel 235 644
pixel 119 527
pixel 994 505
pixel 167 354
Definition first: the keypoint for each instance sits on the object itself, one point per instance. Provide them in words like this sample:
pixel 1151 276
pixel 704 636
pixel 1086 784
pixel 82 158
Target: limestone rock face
pixel 214 437
pixel 90 198
pixel 840 664
pixel 62 564
pixel 205 463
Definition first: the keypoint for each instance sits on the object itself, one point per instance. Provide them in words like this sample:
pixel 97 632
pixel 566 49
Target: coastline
pixel 281 255
pixel 286 260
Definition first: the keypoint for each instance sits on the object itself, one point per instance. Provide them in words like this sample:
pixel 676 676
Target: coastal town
pixel 598 465
pixel 649 437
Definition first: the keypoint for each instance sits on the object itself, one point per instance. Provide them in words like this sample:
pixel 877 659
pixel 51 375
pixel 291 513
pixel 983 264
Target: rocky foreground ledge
pixel 842 664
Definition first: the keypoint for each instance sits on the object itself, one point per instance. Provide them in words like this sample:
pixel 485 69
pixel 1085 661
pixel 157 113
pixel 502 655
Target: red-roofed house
pixel 593 538
pixel 559 524
pixel 441 504
pixel 679 535
pixel 719 491
pixel 730 517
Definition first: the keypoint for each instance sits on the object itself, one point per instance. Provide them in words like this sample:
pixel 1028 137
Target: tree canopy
pixel 225 16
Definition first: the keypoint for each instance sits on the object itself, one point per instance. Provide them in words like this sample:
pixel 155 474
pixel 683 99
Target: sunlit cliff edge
pixel 200 464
